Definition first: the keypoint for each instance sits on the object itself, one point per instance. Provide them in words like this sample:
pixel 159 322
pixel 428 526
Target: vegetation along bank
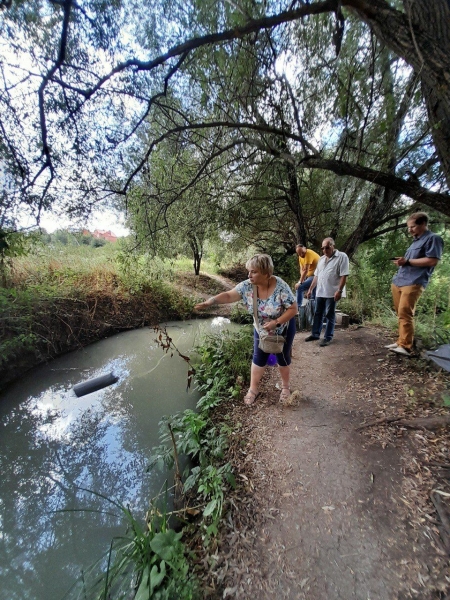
pixel 59 298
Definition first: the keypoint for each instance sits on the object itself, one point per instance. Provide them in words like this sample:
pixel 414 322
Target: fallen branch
pixel 441 510
pixel 378 422
pixel 430 423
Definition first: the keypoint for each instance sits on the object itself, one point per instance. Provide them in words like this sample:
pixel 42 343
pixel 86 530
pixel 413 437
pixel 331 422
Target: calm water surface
pixel 56 449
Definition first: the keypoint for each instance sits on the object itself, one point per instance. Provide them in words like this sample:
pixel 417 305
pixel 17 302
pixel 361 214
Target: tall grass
pixel 65 267
pixel 224 368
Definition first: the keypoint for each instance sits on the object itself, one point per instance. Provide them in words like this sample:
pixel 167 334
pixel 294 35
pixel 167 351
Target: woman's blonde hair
pixel 262 262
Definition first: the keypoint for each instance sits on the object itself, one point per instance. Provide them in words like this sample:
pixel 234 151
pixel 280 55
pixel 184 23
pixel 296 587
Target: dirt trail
pixel 323 510
pixel 330 514
pixel 336 524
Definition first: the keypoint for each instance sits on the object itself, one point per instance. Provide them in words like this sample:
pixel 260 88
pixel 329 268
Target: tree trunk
pixel 435 19
pixel 421 36
pixel 380 203
pixel 197 251
pixel 295 204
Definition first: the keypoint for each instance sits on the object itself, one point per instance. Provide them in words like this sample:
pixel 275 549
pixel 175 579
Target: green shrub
pixel 150 561
pixel 223 369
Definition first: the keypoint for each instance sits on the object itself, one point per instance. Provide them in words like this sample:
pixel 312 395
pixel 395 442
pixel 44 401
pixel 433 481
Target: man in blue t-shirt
pixel 416 268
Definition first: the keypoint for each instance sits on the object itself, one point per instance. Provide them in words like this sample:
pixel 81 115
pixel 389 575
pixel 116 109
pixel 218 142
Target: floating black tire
pixel 87 387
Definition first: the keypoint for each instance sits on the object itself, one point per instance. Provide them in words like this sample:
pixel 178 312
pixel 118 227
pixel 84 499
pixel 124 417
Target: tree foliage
pixel 293 120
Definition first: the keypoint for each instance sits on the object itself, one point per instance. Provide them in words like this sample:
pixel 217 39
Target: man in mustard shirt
pixel 308 260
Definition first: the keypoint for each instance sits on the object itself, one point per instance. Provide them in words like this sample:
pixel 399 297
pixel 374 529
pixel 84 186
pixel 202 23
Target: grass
pixel 185 264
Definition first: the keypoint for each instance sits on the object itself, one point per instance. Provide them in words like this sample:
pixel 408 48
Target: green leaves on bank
pixel 223 370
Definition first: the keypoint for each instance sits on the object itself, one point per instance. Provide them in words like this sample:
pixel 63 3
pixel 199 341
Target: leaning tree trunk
pixel 421 36
pixel 434 16
pixel 380 203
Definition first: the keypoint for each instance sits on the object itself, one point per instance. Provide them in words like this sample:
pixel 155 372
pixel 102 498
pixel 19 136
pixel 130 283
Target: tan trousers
pixel 405 300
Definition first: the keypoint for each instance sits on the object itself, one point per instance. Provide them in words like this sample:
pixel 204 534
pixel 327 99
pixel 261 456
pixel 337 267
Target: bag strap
pixel 255 308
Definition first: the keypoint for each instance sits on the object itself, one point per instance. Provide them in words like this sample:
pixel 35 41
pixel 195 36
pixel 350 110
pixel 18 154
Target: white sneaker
pixel 391 346
pixel 402 351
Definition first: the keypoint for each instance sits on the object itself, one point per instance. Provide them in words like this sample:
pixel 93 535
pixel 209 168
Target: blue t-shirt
pixel 428 245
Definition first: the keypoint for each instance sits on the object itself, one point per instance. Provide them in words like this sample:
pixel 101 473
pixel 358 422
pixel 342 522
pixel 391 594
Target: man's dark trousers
pixel 325 309
pixel 304 287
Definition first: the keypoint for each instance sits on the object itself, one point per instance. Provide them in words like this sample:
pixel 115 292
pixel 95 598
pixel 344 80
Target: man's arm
pixel 311 287
pixel 416 262
pixel 338 293
pixel 304 273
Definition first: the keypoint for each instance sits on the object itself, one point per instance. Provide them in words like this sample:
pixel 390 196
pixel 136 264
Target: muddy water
pixel 62 457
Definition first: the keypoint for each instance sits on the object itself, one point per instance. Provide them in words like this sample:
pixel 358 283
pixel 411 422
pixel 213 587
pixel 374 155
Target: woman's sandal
pixel 250 397
pixel 285 394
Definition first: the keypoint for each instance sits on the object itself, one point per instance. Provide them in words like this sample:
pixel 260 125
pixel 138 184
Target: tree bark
pixel 197 251
pixel 411 188
pixel 295 204
pixel 421 36
pixel 381 201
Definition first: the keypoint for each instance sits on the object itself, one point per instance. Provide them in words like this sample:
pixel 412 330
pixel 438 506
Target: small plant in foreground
pixel 149 563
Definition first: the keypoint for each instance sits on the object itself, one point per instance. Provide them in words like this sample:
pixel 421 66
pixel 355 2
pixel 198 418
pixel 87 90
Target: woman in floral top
pixel 277 310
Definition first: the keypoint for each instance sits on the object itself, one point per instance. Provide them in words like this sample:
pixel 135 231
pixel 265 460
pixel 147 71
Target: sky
pixel 104 219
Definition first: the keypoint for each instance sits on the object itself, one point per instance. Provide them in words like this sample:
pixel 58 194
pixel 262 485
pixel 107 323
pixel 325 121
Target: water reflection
pixel 52 444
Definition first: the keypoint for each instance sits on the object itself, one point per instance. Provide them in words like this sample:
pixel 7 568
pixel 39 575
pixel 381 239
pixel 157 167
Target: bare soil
pixel 326 509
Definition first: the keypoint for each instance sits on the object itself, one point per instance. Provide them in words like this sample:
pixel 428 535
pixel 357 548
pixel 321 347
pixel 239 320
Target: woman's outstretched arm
pixel 222 298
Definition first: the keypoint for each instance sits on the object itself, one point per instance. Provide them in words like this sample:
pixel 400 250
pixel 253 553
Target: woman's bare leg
pixel 256 374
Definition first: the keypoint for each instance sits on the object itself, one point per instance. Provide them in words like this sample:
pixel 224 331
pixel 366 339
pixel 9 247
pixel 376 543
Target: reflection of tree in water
pixel 40 475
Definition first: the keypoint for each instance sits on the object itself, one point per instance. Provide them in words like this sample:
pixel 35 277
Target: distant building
pixel 109 236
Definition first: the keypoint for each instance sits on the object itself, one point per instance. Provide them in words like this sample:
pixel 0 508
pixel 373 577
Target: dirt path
pixel 325 510
pixel 336 513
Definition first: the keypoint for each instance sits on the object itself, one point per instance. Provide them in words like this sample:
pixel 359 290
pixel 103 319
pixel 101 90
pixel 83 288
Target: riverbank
pixel 38 328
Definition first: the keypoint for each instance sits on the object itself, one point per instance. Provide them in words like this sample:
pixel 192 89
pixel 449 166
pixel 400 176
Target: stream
pixel 63 458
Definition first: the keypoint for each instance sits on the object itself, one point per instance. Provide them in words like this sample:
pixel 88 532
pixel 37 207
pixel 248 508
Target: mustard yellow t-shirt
pixel 311 258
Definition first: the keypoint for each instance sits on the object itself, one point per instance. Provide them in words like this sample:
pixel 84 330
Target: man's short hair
pixel 330 241
pixel 300 245
pixel 419 218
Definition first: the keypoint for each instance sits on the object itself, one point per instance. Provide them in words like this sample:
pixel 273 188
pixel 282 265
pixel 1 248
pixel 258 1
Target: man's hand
pixel 297 285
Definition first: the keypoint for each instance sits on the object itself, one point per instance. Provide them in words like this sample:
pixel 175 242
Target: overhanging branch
pixel 440 202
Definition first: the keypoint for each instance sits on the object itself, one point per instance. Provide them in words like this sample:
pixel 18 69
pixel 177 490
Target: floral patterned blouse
pixel 271 308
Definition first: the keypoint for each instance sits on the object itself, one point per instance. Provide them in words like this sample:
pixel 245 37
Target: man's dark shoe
pixel 325 343
pixel 311 338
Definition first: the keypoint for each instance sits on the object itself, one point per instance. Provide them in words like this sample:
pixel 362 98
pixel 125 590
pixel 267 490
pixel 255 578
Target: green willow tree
pixel 271 197
pixel 364 94
pixel 176 204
